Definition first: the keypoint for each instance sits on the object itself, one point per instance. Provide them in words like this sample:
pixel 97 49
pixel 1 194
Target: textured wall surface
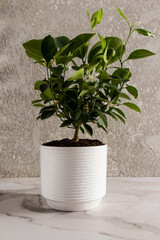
pixel 134 148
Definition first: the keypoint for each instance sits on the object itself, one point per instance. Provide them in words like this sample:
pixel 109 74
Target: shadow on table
pixel 32 202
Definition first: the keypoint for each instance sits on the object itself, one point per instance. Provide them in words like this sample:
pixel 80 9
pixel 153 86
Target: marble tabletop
pixel 130 211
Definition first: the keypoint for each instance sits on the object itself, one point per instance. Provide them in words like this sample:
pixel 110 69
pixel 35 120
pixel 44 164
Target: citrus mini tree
pixel 92 93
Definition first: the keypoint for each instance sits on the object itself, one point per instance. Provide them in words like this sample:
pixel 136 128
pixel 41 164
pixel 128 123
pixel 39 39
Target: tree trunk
pixel 76 133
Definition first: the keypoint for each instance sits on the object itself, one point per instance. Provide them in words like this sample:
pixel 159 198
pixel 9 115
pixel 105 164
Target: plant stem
pixel 130 32
pixel 76 133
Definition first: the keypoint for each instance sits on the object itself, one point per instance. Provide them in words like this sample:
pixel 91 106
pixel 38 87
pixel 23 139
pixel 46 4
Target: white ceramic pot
pixel 73 178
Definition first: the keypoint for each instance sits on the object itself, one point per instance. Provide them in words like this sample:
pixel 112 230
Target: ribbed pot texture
pixel 73 178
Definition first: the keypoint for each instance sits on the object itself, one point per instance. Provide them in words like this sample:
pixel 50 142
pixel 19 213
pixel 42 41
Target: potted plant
pixel 73 172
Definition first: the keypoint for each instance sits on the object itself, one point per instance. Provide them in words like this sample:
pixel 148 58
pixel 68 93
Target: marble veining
pixel 129 211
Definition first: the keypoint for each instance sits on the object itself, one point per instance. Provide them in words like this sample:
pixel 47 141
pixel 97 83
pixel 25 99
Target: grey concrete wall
pixel 134 148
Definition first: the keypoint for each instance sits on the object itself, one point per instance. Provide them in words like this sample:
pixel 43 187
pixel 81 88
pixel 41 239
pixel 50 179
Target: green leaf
pixel 112 115
pixel 132 106
pixel 88 129
pixel 38 84
pixel 77 114
pixel 47 114
pixel 48 108
pixel 112 43
pixel 100 16
pixel 123 95
pixel 38 105
pixel 96 49
pixel 83 92
pixel 144 32
pixel 48 92
pixel 43 87
pixel 81 52
pixel 44 97
pixel 101 126
pixel 96 18
pixel 122 15
pixel 122 73
pixel 63 50
pixel 61 42
pixel 77 75
pixel 37 101
pixel 66 123
pixel 87 10
pixel 105 53
pixel 48 48
pixel 39 117
pixel 120 112
pixel 105 76
pixel 93 64
pixel 132 90
pixel 33 49
pixel 79 41
pixel 84 117
pixel 116 44
pixel 82 129
pixel 118 116
pixel 140 53
pixel 103 117
pixel 57 71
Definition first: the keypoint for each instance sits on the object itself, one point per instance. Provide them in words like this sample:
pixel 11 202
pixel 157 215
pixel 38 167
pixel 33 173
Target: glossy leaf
pixel 96 18
pixel 38 105
pixel 122 73
pixel 48 48
pixel 118 116
pixel 101 126
pixel 79 41
pixel 78 113
pixel 61 42
pixel 77 75
pixel 96 49
pixel 102 116
pixel 37 101
pixel 117 45
pixel 93 64
pixel 100 16
pixel 103 42
pixel 63 50
pixel 82 129
pixel 46 114
pixel 140 53
pixel 49 93
pixel 66 123
pixel 122 15
pixel 132 90
pixel 105 56
pixel 84 117
pixel 120 112
pixel 38 84
pixel 144 32
pixel 87 10
pixel 57 71
pixel 132 106
pixel 83 92
pixel 88 129
pixel 123 95
pixel 33 49
pixel 44 97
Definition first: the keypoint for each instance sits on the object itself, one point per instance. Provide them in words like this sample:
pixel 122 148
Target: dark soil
pixel 70 143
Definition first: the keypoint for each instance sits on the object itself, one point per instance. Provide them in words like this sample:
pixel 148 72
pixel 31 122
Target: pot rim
pixel 72 147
